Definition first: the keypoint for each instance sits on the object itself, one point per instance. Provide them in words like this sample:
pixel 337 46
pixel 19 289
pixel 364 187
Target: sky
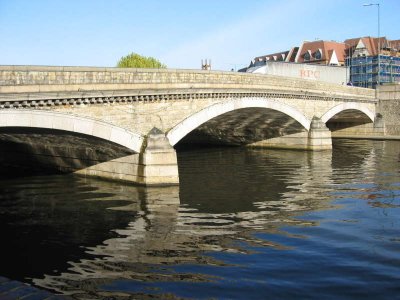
pixel 179 33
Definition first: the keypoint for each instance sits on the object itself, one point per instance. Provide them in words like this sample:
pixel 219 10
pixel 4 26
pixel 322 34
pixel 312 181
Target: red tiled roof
pixel 395 44
pixel 296 54
pixel 370 43
pixel 326 47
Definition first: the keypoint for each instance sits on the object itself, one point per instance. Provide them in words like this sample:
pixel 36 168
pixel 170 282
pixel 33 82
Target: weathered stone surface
pixel 319 136
pixel 159 160
pixel 389 108
pixel 124 105
pixel 156 165
pixel 39 78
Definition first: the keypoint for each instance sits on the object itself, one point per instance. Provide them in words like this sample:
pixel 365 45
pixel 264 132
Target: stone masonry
pixel 125 105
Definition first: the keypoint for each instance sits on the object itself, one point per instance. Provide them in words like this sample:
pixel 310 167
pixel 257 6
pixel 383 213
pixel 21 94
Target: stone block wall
pixel 18 79
pixel 140 117
pixel 389 108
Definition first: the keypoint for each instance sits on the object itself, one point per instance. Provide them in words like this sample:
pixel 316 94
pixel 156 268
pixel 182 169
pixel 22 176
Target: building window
pixel 307 56
pixel 318 54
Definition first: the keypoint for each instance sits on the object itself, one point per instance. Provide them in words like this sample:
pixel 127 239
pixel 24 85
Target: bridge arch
pixel 71 123
pixel 347 107
pixel 194 121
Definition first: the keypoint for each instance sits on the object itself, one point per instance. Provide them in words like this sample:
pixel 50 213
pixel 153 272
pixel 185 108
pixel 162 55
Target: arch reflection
pixel 209 212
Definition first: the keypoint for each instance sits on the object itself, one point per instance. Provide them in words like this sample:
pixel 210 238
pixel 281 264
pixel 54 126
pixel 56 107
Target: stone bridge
pixel 126 123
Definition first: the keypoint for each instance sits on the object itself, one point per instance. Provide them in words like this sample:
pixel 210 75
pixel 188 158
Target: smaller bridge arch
pixel 194 121
pixel 71 123
pixel 347 106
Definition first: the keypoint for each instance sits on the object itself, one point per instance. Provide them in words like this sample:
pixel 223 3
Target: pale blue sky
pixel 177 32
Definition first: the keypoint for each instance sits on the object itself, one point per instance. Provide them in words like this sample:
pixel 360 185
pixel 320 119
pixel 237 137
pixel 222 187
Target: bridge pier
pixel 159 161
pixel 317 138
pixel 156 164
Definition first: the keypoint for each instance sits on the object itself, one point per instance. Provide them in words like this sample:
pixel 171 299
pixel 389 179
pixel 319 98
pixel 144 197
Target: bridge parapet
pixel 41 79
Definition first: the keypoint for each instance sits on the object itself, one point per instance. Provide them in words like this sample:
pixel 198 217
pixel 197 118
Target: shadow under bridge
pixel 239 122
pixel 44 142
pixel 29 151
pixel 244 126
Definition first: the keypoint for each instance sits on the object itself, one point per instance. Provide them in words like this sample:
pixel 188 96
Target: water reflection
pixel 230 201
pixel 218 206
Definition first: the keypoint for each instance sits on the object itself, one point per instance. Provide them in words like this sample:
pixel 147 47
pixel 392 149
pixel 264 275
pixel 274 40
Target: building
pixel 357 56
pixel 362 59
pixel 317 52
pixel 320 52
pixel 315 72
pixel 285 56
pixel 317 60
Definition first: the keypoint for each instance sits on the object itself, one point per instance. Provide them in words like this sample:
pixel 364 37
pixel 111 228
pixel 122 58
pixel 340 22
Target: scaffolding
pixel 364 70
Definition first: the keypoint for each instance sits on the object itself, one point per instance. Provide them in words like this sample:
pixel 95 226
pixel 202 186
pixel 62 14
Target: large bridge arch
pixel 71 123
pixel 349 106
pixel 194 121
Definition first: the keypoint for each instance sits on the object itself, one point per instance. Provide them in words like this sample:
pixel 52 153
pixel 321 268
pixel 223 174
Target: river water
pixel 243 224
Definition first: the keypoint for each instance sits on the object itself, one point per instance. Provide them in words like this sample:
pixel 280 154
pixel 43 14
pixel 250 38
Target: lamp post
pixel 379 41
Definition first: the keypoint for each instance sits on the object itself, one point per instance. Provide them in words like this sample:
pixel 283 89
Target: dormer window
pixel 307 55
pixel 318 54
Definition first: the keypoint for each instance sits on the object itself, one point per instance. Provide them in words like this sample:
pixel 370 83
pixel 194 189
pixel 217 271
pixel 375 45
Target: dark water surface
pixel 243 224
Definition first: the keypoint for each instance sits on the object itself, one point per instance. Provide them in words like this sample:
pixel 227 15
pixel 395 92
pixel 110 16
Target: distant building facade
pixel 358 58
pixel 327 53
pixel 285 56
pixel 362 59
pixel 316 52
pixel 316 72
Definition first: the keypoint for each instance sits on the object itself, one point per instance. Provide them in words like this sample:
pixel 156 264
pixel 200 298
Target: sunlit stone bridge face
pixel 124 123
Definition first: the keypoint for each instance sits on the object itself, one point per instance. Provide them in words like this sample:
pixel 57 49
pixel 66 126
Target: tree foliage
pixel 134 60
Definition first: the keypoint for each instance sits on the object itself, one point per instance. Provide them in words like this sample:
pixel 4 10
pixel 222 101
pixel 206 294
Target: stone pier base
pixel 156 165
pixel 317 138
pixel 159 161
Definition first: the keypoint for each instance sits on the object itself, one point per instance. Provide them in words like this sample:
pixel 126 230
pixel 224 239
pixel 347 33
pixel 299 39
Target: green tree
pixel 134 60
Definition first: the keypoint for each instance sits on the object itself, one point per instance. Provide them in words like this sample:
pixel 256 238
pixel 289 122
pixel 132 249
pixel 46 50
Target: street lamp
pixel 379 41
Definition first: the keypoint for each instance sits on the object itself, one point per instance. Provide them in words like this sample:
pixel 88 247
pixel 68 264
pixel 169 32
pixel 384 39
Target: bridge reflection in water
pixel 212 215
pixel 228 203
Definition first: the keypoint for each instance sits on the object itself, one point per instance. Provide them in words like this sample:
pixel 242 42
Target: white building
pixel 316 72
